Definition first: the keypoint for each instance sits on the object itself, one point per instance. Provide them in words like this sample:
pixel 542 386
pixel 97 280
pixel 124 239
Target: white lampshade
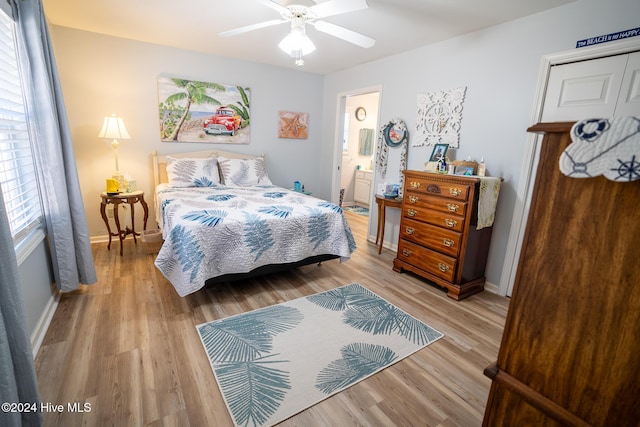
pixel 113 128
pixel 297 41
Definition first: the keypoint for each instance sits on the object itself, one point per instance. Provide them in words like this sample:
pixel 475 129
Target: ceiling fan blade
pixel 275 6
pixel 252 27
pixel 344 34
pixel 336 7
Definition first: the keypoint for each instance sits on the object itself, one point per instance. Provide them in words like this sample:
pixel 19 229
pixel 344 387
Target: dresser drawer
pixel 438 264
pixel 440 239
pixel 446 220
pixel 443 189
pixel 418 205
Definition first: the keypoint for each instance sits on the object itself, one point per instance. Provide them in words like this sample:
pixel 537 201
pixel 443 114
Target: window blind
pixel 17 171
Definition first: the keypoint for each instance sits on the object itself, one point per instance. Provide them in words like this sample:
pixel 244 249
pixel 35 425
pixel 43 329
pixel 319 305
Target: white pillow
pixel 243 172
pixel 202 172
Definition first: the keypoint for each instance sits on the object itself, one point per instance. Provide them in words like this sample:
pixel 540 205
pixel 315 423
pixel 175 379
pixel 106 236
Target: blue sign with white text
pixel 634 32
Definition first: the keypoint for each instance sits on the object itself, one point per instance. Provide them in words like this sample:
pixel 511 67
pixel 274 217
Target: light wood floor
pixel 128 346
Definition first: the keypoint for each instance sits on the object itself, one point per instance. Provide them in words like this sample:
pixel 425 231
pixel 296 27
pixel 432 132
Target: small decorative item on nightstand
pixel 112 186
pixel 120 179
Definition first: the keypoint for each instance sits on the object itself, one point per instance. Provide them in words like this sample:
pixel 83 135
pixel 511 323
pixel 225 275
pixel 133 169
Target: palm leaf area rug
pixel 360 210
pixel 276 361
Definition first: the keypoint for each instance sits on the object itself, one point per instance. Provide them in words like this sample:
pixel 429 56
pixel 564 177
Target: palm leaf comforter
pixel 216 230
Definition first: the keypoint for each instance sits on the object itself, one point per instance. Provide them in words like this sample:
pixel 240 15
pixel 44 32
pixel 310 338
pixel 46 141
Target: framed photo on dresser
pixel 439 151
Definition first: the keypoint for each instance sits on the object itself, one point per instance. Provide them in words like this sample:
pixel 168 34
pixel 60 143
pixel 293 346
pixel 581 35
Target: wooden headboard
pixel 160 161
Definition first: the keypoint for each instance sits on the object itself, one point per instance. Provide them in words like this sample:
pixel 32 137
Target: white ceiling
pixel 397 25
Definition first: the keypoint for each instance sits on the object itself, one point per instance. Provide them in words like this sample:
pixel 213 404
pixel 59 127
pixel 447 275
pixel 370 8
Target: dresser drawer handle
pixel 413 199
pixel 447 242
pixel 443 267
pixel 455 191
pixel 450 222
pixel 406 252
pixel 409 230
pixel 414 184
pixel 453 207
pixel 412 212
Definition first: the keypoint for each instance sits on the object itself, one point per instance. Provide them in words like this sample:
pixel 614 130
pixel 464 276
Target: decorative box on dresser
pixel 438 239
pixel 570 351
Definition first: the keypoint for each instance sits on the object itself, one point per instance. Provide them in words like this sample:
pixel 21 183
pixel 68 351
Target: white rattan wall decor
pixel 439 117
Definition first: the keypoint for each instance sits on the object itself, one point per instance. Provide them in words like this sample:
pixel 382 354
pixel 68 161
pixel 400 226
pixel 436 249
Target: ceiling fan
pixel 297 43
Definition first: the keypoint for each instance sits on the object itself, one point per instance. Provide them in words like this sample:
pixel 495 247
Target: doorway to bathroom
pixel 358 151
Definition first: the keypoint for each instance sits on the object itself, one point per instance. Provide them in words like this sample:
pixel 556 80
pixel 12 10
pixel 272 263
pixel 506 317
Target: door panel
pixel 585 89
pixel 629 99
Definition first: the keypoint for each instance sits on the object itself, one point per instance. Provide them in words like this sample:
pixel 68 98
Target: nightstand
pixel 115 199
pixel 383 203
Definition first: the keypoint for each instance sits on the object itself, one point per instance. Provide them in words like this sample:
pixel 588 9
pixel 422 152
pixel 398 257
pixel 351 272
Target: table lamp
pixel 113 128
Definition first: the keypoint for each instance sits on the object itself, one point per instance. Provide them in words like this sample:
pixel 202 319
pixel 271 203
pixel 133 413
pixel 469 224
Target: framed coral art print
pixel 195 111
pixel 293 125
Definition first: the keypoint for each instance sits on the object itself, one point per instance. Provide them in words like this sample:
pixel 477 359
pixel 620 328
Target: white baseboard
pixel 100 239
pixel 385 244
pixel 37 337
pixel 493 288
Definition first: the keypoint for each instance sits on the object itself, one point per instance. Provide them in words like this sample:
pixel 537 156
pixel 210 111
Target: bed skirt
pixel 269 269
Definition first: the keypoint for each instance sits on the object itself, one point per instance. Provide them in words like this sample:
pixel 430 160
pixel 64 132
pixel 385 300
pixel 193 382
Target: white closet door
pixel 581 90
pixel 629 99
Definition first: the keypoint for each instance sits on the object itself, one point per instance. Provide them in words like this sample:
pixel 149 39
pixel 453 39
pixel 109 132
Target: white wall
pixel 101 75
pixel 499 66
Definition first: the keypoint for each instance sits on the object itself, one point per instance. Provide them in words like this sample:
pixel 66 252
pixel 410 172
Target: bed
pixel 222 220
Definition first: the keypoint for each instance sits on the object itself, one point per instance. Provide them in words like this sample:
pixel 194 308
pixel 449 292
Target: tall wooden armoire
pixel 570 353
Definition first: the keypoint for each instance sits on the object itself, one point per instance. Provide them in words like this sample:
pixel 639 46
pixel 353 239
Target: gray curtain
pixel 67 229
pixel 18 382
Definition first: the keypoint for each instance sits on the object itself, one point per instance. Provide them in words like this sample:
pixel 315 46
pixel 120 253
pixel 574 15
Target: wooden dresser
pixel 570 351
pixel 438 238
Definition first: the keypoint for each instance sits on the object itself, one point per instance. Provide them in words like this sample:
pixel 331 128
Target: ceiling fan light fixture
pixel 297 41
pixel 297 44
